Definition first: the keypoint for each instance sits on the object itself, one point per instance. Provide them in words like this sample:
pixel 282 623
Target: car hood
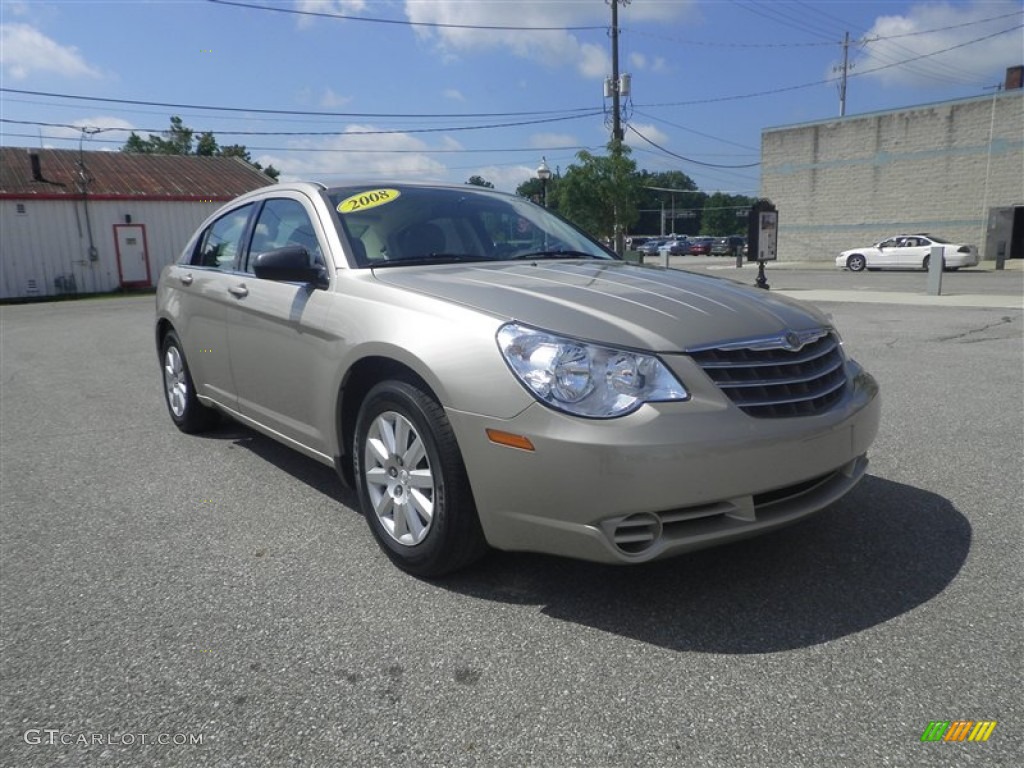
pixel 660 310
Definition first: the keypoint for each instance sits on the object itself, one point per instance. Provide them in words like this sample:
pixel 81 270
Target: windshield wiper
pixel 555 254
pixel 429 258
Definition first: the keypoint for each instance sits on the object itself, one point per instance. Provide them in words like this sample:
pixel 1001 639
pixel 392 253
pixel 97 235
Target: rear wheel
pixel 412 483
pixel 188 414
pixel 856 263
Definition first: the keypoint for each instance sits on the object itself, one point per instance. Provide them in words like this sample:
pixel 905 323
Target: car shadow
pixel 881 551
pixel 317 476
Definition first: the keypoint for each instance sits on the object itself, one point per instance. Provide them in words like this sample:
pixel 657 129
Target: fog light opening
pixel 636 534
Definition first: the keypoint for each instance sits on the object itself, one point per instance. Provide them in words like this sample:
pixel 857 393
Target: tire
pixel 856 263
pixel 187 413
pixel 412 483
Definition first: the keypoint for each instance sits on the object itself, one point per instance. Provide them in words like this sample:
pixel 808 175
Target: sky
pixel 441 90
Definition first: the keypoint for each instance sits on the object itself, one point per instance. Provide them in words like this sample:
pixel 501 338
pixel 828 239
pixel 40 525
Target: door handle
pixel 186 279
pixel 240 291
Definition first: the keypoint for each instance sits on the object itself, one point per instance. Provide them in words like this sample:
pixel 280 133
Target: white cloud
pixel 366 156
pixel 453 94
pixel 25 50
pixel 553 46
pixel 970 64
pixel 638 60
pixel 649 130
pixel 332 100
pixel 593 61
pixel 545 140
pixel 506 178
pixel 345 7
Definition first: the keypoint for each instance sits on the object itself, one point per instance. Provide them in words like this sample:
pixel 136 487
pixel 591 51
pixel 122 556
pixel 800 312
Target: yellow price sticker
pixel 369 199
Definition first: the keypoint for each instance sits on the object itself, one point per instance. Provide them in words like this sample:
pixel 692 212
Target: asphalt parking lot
pixel 157 587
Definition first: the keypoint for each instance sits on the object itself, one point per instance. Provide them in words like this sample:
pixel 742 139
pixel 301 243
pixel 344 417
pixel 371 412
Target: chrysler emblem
pixel 791 342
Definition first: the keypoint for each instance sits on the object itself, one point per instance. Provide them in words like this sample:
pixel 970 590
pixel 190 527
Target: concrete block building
pixel 954 169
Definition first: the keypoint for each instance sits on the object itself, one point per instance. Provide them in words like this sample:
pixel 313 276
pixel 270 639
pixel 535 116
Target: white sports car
pixel 907 252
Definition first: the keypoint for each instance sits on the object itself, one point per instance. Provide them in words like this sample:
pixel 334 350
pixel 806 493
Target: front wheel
pixel 412 483
pixel 856 263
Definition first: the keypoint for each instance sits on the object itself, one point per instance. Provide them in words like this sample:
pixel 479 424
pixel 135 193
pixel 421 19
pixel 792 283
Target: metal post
pixel 1001 254
pixel 738 250
pixel 935 264
pixel 762 280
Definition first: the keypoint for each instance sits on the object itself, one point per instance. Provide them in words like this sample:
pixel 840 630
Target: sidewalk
pixel 902 297
pixel 861 294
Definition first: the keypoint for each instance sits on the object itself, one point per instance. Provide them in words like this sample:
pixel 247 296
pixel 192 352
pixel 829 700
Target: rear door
pixel 203 289
pixel 913 252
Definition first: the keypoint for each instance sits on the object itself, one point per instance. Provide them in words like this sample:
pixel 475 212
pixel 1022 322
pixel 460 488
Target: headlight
pixel 585 379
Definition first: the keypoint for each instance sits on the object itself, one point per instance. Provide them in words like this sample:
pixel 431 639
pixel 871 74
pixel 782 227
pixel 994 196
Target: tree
pixel 669 199
pixel 600 191
pixel 720 217
pixel 480 181
pixel 207 145
pixel 177 140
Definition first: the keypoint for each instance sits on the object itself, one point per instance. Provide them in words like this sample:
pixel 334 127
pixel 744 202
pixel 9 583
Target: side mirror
pixel 289 264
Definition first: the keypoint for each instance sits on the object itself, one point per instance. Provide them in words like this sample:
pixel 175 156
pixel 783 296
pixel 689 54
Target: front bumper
pixel 670 478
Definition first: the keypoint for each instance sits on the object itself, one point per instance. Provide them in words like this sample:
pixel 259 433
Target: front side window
pixel 219 244
pixel 282 223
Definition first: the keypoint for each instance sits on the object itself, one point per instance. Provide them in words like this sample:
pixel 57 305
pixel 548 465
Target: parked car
pixel 633 242
pixel 700 246
pixel 726 246
pixel 486 375
pixel 908 252
pixel 677 247
pixel 650 248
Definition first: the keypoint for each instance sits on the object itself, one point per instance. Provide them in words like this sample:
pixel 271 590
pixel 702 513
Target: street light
pixel 544 173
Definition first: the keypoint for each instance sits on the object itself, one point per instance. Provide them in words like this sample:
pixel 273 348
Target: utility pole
pixel 617 134
pixel 616 86
pixel 842 76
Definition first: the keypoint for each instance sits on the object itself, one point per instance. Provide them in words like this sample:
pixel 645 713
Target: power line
pixel 698 133
pixel 772 13
pixel 860 73
pixel 441 129
pixel 404 22
pixel 355 151
pixel 688 159
pixel 257 110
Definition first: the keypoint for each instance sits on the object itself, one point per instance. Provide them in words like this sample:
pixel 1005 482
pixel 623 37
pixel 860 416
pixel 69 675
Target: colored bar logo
pixel 958 730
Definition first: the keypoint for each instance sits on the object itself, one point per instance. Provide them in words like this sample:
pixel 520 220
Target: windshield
pixel 406 225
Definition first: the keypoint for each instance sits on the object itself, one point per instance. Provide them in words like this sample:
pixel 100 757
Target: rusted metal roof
pixel 123 175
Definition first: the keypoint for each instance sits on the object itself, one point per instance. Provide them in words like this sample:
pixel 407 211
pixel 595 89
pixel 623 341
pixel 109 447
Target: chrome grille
pixel 797 374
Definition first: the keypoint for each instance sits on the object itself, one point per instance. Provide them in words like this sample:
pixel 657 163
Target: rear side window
pixel 220 243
